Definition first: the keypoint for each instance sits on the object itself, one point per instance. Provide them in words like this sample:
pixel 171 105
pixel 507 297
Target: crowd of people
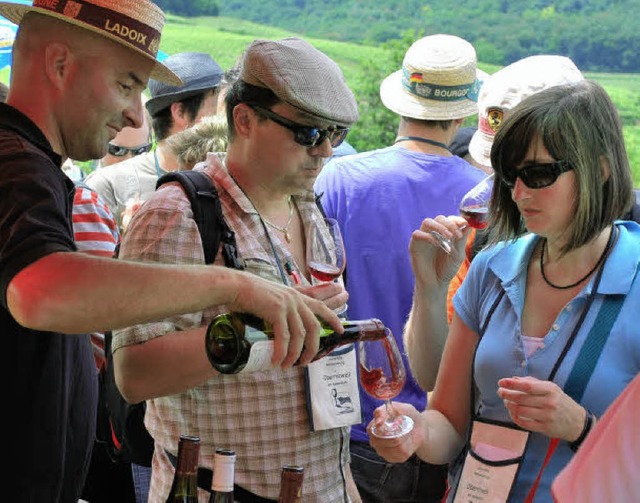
pixel 522 352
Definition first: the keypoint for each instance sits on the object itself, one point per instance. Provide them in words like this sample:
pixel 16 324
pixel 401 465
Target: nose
pixel 323 149
pixel 133 114
pixel 519 191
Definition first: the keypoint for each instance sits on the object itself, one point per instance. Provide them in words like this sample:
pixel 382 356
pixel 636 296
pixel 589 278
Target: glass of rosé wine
pixel 474 208
pixel 382 376
pixel 326 258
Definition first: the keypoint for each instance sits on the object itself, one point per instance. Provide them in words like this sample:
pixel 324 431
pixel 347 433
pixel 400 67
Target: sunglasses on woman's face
pixel 536 176
pixel 118 151
pixel 307 136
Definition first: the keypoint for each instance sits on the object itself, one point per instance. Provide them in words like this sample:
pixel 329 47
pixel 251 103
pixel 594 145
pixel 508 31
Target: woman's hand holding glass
pixel 430 263
pixel 396 449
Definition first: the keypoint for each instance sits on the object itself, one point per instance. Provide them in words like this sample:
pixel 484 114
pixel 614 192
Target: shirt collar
pixel 14 120
pixel 510 263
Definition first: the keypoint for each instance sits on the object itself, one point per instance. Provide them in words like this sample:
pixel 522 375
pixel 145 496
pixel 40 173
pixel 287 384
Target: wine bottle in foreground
pixel 240 342
pixel 185 481
pixel 223 476
pixel 291 479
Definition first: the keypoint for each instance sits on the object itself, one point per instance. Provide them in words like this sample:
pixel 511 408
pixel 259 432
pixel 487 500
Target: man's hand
pixel 293 316
pixel 332 294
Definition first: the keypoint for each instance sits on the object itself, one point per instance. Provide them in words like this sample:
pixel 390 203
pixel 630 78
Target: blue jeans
pixel 141 482
pixel 379 481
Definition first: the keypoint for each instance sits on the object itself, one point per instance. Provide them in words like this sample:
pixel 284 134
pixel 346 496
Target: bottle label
pixel 259 357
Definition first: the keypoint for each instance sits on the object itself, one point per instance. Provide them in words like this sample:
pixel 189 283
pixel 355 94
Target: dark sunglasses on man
pixel 307 136
pixel 118 151
pixel 536 176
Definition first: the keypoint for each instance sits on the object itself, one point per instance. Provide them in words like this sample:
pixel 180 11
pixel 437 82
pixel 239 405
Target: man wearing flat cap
pixel 287 110
pixel 379 198
pixel 172 109
pixel 77 77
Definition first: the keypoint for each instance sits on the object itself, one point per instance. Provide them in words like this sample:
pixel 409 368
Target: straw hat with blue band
pixel 136 24
pixel 439 80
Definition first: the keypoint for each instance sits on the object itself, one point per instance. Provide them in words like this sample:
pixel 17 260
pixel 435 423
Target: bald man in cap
pixel 78 71
pixel 287 111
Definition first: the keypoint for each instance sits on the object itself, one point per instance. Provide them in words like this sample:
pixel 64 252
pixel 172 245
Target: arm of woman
pixel 427 326
pixel 439 432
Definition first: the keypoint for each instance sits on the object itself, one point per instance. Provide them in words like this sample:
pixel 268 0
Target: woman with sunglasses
pixel 544 335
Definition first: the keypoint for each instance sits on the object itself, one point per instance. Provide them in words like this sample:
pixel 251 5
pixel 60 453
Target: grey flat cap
pixel 302 76
pixel 199 72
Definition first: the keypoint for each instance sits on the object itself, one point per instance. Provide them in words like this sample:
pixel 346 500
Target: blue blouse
pixel 501 352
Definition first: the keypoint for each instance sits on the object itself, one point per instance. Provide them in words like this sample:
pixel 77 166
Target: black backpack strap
pixel 207 213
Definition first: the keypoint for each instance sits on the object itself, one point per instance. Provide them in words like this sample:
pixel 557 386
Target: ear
pixel 243 118
pixel 180 118
pixel 58 61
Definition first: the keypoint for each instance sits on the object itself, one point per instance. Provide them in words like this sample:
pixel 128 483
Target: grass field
pixel 364 66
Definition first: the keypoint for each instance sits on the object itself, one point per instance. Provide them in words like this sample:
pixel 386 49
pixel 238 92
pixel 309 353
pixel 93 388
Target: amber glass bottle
pixel 291 479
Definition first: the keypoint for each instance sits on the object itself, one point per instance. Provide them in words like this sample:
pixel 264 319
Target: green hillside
pixel 364 67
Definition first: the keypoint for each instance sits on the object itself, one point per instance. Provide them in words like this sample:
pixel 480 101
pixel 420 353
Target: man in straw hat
pixel 78 72
pixel 379 198
pixel 288 109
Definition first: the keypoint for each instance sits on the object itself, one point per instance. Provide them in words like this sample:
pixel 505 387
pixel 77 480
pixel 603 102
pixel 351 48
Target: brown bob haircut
pixel 578 123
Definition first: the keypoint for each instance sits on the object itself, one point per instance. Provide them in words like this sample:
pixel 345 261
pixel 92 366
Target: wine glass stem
pixel 445 243
pixel 390 413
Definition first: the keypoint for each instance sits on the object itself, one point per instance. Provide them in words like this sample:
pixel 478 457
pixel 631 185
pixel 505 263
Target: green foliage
pixel 190 8
pixel 365 66
pixel 591 32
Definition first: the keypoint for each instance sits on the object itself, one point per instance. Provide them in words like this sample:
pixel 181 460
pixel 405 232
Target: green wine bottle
pixel 240 342
pixel 223 476
pixel 185 481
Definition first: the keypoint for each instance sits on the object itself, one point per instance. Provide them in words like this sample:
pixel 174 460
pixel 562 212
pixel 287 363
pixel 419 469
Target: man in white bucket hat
pixel 502 91
pixel 79 68
pixel 379 198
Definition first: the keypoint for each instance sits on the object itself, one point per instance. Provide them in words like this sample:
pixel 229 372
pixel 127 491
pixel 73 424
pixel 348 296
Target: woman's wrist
pixel 589 422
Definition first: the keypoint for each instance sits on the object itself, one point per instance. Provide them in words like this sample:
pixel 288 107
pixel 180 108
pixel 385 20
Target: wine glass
pixel 383 375
pixel 474 208
pixel 326 258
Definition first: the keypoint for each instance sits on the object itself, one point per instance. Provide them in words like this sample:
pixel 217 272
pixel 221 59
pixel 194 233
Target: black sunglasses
pixel 118 151
pixel 307 136
pixel 536 176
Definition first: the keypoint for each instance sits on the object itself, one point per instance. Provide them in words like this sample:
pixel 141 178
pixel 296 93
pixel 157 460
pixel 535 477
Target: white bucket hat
pixel 136 24
pixel 439 80
pixel 509 86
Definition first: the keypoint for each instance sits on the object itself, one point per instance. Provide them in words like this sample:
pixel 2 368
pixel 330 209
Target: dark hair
pixel 443 124
pixel 163 121
pixel 4 92
pixel 577 123
pixel 241 92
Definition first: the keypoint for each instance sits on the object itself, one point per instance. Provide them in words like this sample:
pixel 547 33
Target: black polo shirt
pixel 51 387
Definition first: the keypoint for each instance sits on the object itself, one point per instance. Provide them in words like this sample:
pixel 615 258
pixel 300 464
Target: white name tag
pixel 333 398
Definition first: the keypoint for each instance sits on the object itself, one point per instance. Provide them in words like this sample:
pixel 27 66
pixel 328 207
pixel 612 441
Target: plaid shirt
pixel 261 415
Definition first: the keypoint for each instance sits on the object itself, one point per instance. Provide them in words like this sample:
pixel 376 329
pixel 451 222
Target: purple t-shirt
pixel 380 198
